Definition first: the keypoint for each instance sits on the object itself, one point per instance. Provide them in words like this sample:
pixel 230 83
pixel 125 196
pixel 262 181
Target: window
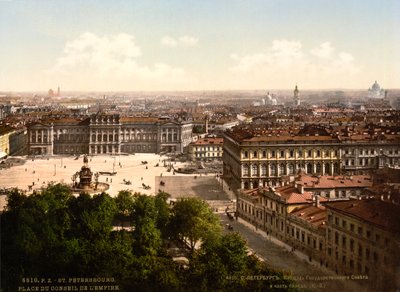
pixel 245 170
pixel 282 169
pixel 360 251
pixel 263 170
pixel 272 153
pixel 309 153
pixel 264 154
pixel 254 154
pixel 291 153
pixel 344 224
pixel 273 170
pixel 246 154
pixel 282 154
pixel 318 153
pixel 351 227
pixel 359 230
pixel 254 170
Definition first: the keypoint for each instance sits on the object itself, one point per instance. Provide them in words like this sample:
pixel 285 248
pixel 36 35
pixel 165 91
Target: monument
pixel 85 180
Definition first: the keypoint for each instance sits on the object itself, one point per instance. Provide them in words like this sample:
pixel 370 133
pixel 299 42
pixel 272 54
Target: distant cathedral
pixel 375 91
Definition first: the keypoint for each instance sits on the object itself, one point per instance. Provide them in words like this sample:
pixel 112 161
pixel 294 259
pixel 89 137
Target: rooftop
pixel 379 213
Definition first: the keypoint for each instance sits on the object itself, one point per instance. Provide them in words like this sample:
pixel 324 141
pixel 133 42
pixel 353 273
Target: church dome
pixel 376 87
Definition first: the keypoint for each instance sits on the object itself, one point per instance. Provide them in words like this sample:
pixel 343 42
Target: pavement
pixel 39 171
pixel 30 174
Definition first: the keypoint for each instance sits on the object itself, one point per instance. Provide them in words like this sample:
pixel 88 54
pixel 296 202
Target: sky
pixel 148 45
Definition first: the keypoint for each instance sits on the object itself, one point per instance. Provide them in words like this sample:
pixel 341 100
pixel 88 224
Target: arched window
pixel 255 184
pixel 254 170
pixel 263 170
pixel 291 168
pixel 336 168
pixel 246 185
pixel 282 169
pixel 309 168
pixel 264 154
pixel 254 154
pixel 327 168
pixel 318 169
pixel 273 170
pixel 245 170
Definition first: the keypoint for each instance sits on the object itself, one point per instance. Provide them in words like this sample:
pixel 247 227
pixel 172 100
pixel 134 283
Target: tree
pixel 146 235
pixel 125 202
pixel 163 213
pixel 192 220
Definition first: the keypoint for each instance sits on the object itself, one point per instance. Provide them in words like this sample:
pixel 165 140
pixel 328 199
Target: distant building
pixel 375 91
pixel 258 157
pixel 108 134
pixel 206 149
pixel 296 96
pixel 12 141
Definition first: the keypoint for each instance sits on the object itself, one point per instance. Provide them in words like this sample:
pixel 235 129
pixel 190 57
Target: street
pixel 305 275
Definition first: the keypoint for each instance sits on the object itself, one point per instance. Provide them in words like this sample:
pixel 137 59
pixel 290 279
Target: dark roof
pixel 379 213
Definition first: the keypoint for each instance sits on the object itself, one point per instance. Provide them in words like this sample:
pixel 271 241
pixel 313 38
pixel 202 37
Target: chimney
pixel 300 187
pixel 316 202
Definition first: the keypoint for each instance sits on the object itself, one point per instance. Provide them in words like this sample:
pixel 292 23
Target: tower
pixel 58 91
pixel 206 124
pixel 296 96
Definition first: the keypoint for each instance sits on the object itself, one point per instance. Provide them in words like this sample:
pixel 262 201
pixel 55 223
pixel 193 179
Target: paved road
pixel 279 258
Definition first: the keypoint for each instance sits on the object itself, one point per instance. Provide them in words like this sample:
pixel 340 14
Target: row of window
pixel 288 169
pixel 209 148
pixel 290 153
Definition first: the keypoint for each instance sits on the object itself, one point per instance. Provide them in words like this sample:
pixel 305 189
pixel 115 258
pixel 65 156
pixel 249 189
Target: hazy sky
pixel 198 45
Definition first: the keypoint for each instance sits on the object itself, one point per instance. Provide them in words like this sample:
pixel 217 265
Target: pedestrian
pixel 141 178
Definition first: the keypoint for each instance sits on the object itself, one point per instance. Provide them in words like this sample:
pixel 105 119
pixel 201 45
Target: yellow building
pixel 206 149
pixel 6 133
pixel 254 160
pixel 363 240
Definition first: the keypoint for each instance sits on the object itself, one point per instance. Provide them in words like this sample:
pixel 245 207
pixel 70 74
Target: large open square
pixel 132 172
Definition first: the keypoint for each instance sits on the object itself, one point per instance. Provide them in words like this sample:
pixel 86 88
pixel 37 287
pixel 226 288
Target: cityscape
pixel 147 146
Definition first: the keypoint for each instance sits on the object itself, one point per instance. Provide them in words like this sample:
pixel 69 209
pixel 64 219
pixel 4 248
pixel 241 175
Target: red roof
pixel 312 214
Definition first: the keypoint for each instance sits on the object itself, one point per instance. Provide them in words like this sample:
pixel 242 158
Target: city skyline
pixel 190 45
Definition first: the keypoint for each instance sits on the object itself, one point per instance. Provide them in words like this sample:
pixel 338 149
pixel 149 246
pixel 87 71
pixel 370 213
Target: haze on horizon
pixel 198 45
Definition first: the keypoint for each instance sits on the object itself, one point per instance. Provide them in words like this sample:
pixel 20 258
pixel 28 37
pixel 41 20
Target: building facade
pixel 107 134
pixel 206 149
pixel 363 238
pixel 258 157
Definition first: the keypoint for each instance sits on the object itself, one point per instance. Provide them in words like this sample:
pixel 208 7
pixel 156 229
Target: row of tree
pixel 54 234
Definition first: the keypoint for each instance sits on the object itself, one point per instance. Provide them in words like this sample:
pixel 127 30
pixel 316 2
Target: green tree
pixel 192 220
pixel 146 235
pixel 125 202
pixel 163 210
